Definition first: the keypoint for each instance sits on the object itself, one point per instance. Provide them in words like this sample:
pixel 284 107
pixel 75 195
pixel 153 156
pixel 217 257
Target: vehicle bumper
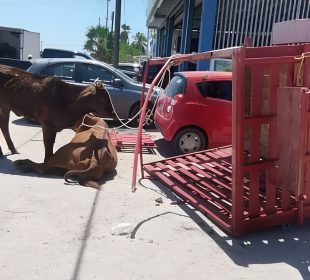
pixel 166 126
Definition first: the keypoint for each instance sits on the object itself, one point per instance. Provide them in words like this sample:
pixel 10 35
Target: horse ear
pixel 90 90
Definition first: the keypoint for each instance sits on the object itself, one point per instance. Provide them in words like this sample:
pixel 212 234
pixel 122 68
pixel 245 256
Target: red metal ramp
pixel 126 141
pixel 204 180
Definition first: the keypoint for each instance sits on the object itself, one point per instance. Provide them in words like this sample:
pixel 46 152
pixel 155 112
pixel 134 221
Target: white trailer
pixel 18 43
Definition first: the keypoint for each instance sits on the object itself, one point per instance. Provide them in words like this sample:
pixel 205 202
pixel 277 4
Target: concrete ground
pixel 50 230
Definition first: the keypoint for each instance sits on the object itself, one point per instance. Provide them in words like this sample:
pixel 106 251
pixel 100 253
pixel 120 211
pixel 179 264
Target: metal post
pixel 107 18
pixel 187 26
pixel 118 4
pixel 207 23
pixel 169 33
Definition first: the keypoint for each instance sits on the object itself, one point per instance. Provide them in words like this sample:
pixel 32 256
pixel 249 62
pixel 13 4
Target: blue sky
pixel 63 23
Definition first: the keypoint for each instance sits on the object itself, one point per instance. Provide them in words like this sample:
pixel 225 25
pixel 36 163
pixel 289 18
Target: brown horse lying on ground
pixel 48 100
pixel 88 156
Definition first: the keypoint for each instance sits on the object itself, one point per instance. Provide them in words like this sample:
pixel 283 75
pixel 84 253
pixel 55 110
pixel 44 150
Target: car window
pixel 176 86
pixel 216 89
pixel 64 71
pixel 128 68
pixel 92 72
pixel 56 54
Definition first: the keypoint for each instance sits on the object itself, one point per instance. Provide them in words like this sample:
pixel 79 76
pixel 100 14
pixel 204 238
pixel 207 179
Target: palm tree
pixel 99 43
pixel 124 34
pixel 140 41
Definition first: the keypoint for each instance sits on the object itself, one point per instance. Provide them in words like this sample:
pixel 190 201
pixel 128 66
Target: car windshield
pixel 176 86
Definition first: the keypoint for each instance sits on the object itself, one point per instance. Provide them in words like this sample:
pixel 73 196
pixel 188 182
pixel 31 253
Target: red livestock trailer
pixel 263 178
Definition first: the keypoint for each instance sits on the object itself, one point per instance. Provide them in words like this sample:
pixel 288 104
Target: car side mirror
pixel 118 82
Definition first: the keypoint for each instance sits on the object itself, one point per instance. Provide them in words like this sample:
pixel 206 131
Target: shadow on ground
pixel 288 244
pixel 164 148
pixel 25 122
pixel 7 166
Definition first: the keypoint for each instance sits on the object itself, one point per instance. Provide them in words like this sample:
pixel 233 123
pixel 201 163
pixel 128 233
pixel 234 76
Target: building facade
pixel 185 26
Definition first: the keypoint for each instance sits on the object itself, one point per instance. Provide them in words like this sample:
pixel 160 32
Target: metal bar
pixel 220 24
pixel 303 9
pixel 230 28
pixel 206 37
pixel 306 65
pixel 146 71
pixel 256 105
pixel 260 31
pixel 141 120
pixel 280 10
pixel 244 23
pixel 265 23
pixel 215 41
pixel 302 184
pixel 297 14
pixel 241 15
pixel 269 25
pixel 255 23
pixel 284 10
pixel 247 21
pixel 308 10
pixel 258 120
pixel 238 138
pixel 224 41
pixel 270 60
pixel 252 18
pixel 290 12
pixel 260 165
pixel 272 146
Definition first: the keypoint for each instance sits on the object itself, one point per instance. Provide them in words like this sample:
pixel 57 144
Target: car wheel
pixel 189 140
pixel 149 117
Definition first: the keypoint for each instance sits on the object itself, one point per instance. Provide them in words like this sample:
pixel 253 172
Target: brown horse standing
pixel 48 100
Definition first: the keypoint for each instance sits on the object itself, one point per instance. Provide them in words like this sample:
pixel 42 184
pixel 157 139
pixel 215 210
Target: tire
pixel 189 140
pixel 149 120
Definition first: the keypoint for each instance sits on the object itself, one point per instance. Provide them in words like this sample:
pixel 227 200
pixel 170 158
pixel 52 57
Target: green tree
pixel 140 41
pixel 128 52
pixel 124 37
pixel 99 43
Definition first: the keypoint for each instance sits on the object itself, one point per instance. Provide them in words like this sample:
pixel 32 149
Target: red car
pixel 195 111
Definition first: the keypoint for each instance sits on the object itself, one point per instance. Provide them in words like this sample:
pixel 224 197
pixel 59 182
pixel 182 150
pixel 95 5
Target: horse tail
pixel 80 176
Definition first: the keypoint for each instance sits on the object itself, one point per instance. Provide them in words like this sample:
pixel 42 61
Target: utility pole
pixel 118 4
pixel 107 18
pixel 112 22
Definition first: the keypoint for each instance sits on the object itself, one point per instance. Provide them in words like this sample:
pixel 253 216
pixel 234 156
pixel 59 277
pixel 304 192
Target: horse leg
pixel 4 125
pixel 49 136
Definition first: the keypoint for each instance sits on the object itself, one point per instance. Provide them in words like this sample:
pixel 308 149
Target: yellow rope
pixel 302 58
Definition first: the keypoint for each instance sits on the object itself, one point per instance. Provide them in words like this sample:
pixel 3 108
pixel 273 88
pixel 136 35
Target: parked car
pixel 21 64
pixel 60 53
pixel 133 75
pixel 195 111
pixel 125 92
pixel 155 68
pixel 133 70
pixel 135 67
